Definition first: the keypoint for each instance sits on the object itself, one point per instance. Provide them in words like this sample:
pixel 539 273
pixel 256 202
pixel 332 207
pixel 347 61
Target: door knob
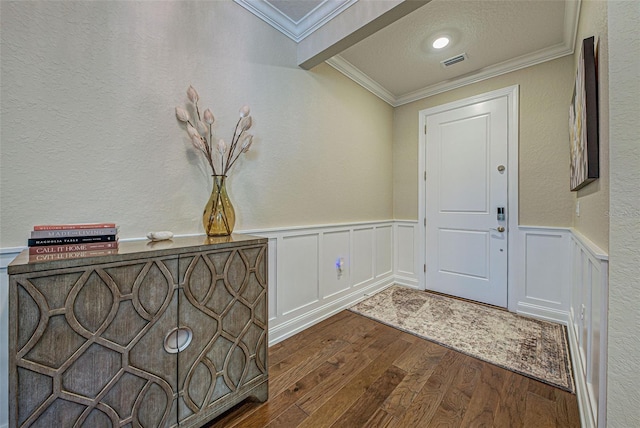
pixel 499 229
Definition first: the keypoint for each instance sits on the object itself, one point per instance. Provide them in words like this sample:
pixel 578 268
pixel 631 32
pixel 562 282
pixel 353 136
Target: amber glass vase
pixel 219 216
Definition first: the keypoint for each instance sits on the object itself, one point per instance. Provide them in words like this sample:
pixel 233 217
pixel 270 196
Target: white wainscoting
pixel 407 264
pixel 317 271
pixel 314 272
pixel 542 289
pixel 560 276
pixel 563 278
pixel 588 328
pixel 6 255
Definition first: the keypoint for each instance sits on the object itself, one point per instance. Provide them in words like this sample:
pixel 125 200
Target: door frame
pixel 512 95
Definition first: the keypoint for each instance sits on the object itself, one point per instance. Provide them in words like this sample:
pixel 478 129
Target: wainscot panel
pixel 6 256
pixel 407 264
pixel 317 271
pixel 298 264
pixel 588 328
pixel 563 277
pixel 335 262
pixel 543 283
pixel 362 268
pixel 384 250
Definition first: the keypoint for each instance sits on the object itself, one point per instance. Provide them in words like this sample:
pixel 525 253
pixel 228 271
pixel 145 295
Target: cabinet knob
pixel 178 339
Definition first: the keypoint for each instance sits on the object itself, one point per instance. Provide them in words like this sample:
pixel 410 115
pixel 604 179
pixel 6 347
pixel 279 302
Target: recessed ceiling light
pixel 440 42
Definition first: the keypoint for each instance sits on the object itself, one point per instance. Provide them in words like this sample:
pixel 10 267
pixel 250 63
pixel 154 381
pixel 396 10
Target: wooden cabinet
pixel 159 335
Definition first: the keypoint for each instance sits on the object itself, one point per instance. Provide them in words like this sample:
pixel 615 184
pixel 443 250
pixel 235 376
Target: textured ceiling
pixel 401 59
pixel 398 64
pixel 296 18
pixel 295 9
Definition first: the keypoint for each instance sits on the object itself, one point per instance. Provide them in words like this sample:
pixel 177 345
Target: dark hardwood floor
pixel 349 371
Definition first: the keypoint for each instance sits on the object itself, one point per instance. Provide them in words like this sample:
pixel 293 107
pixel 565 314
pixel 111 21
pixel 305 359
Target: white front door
pixel 466 184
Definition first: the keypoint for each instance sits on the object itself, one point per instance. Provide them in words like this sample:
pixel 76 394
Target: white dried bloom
pixel 222 147
pixel 244 111
pixel 192 94
pixel 202 128
pixel 198 142
pixel 246 123
pixel 182 114
pixel 192 131
pixel 208 116
pixel 247 143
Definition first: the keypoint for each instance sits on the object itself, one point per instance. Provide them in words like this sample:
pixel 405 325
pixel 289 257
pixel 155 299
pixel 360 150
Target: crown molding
pixel 505 67
pixel 572 13
pixel 571 18
pixel 296 30
pixel 362 79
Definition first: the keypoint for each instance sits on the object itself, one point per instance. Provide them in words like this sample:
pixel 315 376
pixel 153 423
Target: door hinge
pixel 425 221
pixel 425 268
pixel 425 176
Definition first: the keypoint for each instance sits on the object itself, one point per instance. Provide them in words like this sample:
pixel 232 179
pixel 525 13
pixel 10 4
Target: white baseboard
pixel 543 313
pixel 406 282
pixel 296 325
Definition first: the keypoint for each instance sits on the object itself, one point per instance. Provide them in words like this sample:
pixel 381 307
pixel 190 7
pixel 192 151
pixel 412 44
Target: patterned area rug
pixel 533 348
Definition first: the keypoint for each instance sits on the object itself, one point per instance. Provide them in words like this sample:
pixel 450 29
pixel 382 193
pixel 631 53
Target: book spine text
pixel 74 226
pixel 62 233
pixel 54 249
pixel 71 240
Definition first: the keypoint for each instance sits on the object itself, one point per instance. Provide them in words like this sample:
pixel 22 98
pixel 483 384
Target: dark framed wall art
pixel 583 119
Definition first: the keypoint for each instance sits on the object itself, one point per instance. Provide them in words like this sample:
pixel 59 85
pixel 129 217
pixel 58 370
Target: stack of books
pixel 67 241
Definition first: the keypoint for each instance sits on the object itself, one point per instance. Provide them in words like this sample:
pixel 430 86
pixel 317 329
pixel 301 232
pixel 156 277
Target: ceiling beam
pixel 359 21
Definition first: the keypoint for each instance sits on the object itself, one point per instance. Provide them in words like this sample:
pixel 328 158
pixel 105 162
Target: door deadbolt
pixel 501 168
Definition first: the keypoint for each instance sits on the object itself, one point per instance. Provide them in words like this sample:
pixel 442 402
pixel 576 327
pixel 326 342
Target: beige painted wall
pixel 623 394
pixel 88 93
pixel 545 93
pixel 593 220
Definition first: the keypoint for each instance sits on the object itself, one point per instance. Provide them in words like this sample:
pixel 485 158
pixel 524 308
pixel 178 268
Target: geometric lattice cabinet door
pixel 87 345
pixel 224 304
pixel 152 338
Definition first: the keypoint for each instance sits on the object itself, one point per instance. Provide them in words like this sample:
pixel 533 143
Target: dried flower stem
pixel 203 139
pixel 234 143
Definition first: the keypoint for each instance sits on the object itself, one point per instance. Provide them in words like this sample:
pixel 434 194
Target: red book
pixel 90 246
pixel 73 226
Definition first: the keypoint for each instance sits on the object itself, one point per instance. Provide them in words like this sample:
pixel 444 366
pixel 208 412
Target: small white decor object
pixel 160 236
